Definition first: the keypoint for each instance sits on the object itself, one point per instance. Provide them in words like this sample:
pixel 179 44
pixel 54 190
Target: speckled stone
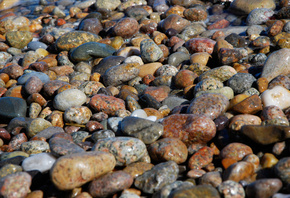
pixel 107 4
pixel 201 158
pixel 238 171
pixel 222 73
pixel 168 149
pixel 61 146
pixel 138 168
pixel 110 184
pixel 240 82
pixel 209 104
pixel 11 107
pixel 238 121
pixel 211 178
pixel 49 132
pixel 231 189
pixel 243 7
pixel 9 169
pixel 126 27
pixel 91 50
pixel 189 128
pixel 270 113
pixel 259 16
pixel 106 104
pixel 167 190
pixel 250 105
pixel 126 150
pixel 77 114
pixel 15 185
pixel 174 21
pixel 208 84
pixel 18 39
pixel 150 52
pixel 200 45
pixel 155 179
pixel 120 74
pixel 263 188
pixel 158 93
pixel 69 98
pixel 280 80
pixel 143 129
pixel 33 85
pixel 205 191
pixel 235 151
pixel 266 134
pixel 226 91
pixel 74 39
pixel 74 170
pixel 34 147
pixel 14 71
pixel 36 125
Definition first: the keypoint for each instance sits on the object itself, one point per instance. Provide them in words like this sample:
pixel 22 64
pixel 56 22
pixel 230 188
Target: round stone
pixel 41 162
pixel 69 98
pixel 77 114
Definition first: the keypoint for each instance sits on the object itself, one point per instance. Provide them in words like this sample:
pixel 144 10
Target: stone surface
pixel 74 170
pixel 11 107
pixel 236 151
pixel 282 169
pixel 18 39
pixel 243 7
pixel 276 96
pixel 77 114
pixel 41 162
pixel 238 171
pixel 205 191
pixel 230 189
pixel 69 98
pixel 201 158
pixel 63 146
pixel 263 188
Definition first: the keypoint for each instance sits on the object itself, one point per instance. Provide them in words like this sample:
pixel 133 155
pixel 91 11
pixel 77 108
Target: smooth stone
pixel 205 191
pixel 126 27
pixel 126 150
pixel 226 91
pixel 236 151
pixel 34 147
pixel 102 134
pixel 177 58
pixel 159 176
pixel 231 189
pixel 238 121
pixel 276 96
pixel 107 4
pixel 18 39
pixel 240 82
pixel 77 114
pixel 276 64
pixel 11 107
pixel 238 171
pixel 110 184
pixel 209 104
pixel 61 146
pixel 120 74
pixel 200 45
pixel 69 98
pixel 41 162
pixel 85 4
pixel 208 84
pixel 5 57
pixel 259 16
pixel 244 7
pixel 6 4
pixel 151 118
pixel 150 52
pixel 250 105
pixel 107 63
pixel 149 68
pixel 140 113
pixel 74 170
pixel 15 185
pixel 34 45
pixel 266 134
pixel 211 178
pixel 227 31
pixel 138 168
pixel 167 190
pixel 107 104
pixel 48 132
pixel 36 125
pixel 79 136
pixel 74 39
pixel 33 85
pixel 143 129
pixel 222 73
pixel 263 188
pixel 9 169
pixel 114 124
pixel 282 169
pixel 90 50
pixel 8 155
pixel 174 101
pixel 189 128
pixel 42 76
pixel 167 149
pixel 201 158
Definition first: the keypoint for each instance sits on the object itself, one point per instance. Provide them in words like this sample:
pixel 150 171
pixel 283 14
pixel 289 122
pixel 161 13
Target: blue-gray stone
pixel 11 107
pixel 34 45
pixel 42 76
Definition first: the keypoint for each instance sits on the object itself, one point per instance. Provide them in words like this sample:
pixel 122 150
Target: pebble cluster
pixel 136 98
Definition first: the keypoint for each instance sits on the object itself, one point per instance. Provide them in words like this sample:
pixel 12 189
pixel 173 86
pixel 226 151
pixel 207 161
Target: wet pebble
pixel 41 162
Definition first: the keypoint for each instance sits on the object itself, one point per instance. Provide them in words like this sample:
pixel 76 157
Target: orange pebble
pixel 227 162
pixel 4 77
pixel 60 22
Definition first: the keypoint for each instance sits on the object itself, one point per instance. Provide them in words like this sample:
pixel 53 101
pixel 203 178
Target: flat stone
pixel 11 107
pixel 250 105
pixel 60 146
pixel 41 162
pixel 138 168
pixel 74 170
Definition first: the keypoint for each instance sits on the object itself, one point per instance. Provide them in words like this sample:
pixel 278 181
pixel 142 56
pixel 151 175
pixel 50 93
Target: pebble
pixel 69 98
pixel 259 16
pixel 41 162
pixel 110 184
pixel 137 168
pixel 159 176
pixel 235 151
pixel 150 52
pixel 205 191
pixel 18 39
pixel 189 128
pixel 241 7
pixel 74 170
pixel 238 171
pixel 263 188
pixel 143 129
pixel 231 189
pixel 167 149
pixel 79 115
pixel 240 82
pixel 126 150
pixel 34 45
pixel 201 158
pixel 276 96
pixel 34 147
pixel 11 107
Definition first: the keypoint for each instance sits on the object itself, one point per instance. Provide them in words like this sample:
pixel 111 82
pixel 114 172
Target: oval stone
pixel 69 98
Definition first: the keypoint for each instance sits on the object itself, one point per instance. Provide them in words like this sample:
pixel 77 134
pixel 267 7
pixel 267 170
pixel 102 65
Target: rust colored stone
pixel 250 105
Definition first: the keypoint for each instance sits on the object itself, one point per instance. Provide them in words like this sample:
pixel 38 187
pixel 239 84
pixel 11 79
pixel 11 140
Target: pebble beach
pixel 141 99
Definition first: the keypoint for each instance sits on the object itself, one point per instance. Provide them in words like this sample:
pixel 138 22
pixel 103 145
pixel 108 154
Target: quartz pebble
pixel 41 162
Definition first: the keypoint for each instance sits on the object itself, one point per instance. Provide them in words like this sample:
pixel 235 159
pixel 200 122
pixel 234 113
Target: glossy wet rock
pixel 200 45
pixel 263 188
pixel 11 107
pixel 250 105
pixel 240 82
pixel 201 158
pixel 242 7
pixel 276 96
pixel 236 151
pixel 238 171
pixel 126 150
pixel 74 170
pixel 205 191
pixel 189 128
pixel 143 129
pixel 42 162
pixel 18 39
pixel 138 168
pixel 160 175
pixel 60 146
pixel 231 189
pixel 79 115
pixel 210 104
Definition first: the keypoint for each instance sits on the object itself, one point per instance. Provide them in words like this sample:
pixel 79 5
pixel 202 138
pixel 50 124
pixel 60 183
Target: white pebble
pixel 134 59
pixel 41 162
pixel 69 98
pixel 152 118
pixel 278 96
pixel 140 113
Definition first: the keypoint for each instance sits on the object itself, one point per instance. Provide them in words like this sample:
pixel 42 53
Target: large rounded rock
pixel 189 128
pixel 74 170
pixel 244 7
pixel 282 169
pixel 11 107
pixel 18 39
pixel 90 50
pixel 74 39
pixel 264 188
pixel 150 52
pixel 69 98
pixel 126 27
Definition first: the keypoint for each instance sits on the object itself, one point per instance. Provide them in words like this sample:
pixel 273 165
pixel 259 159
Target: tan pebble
pixel 200 58
pixel 262 84
pixel 84 195
pixel 268 160
pixel 35 194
